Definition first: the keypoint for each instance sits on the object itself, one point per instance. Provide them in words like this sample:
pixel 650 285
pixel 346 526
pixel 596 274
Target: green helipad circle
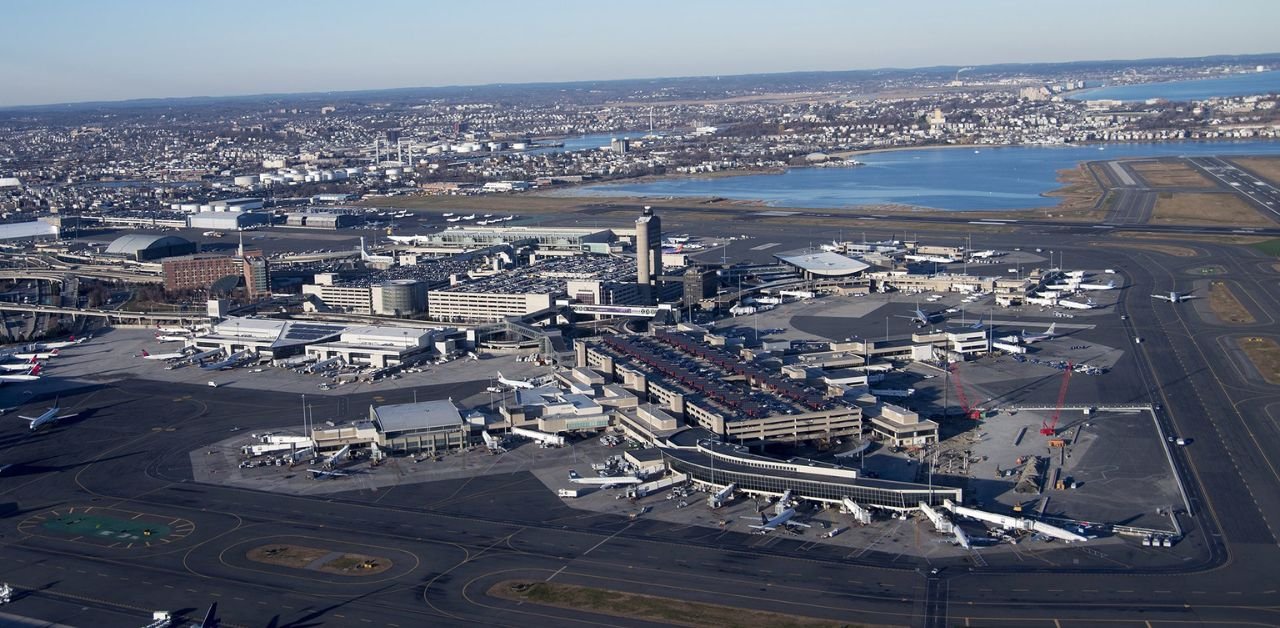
pixel 106 528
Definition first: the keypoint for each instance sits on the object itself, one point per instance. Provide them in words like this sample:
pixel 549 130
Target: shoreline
pixel 1062 192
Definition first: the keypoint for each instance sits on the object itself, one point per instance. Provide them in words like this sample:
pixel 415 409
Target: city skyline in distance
pixel 84 52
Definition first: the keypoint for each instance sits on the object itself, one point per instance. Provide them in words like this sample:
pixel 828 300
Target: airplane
pixel 1076 305
pixel 171 338
pixel 196 358
pixel 324 365
pixel 337 458
pixel 30 376
pixel 1034 338
pixel 317 474
pixel 160 356
pixel 45 346
pixel 172 330
pixel 919 317
pixel 937 259
pixel 604 481
pixel 232 361
pixel 783 518
pixel 1174 297
pixel 514 383
pixel 1110 285
pixel 18 366
pixel 49 416
pixel 38 355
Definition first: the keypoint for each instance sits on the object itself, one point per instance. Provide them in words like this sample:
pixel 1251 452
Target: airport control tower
pixel 648 254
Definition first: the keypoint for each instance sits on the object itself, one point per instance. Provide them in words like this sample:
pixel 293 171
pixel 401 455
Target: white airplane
pixel 783 518
pixel 939 259
pixel 1076 305
pixel 324 365
pixel 49 416
pixel 605 481
pixel 317 474
pixel 514 383
pixel 30 376
pixel 1110 285
pixel 38 355
pixel 45 346
pixel 172 330
pixel 171 338
pixel 18 366
pixel 919 317
pixel 161 356
pixel 337 457
pixel 1174 297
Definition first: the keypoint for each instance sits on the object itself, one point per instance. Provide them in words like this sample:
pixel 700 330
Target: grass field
pixel 1265 167
pixel 650 608
pixel 1174 174
pixel 1226 306
pixel 1264 353
pixel 1217 209
pixel 1269 247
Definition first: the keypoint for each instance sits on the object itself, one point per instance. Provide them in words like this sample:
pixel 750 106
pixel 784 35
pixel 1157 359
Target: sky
pixel 56 51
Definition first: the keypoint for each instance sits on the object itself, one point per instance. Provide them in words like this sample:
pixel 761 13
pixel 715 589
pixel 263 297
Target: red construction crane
pixel 1051 428
pixel 972 413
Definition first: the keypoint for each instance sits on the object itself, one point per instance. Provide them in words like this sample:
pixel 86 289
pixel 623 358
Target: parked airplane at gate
pixel 30 376
pixel 161 356
pixel 783 518
pixel 18 366
pixel 514 383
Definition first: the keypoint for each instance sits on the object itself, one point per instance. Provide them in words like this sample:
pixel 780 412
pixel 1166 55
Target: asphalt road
pixel 450 541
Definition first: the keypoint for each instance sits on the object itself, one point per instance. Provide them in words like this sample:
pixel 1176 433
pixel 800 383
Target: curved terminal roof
pixel 134 242
pixel 824 263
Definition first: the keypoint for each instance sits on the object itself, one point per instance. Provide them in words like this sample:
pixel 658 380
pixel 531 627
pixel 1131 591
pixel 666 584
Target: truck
pixel 567 492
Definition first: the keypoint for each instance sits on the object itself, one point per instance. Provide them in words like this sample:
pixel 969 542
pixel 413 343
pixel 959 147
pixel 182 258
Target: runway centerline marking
pixel 607 539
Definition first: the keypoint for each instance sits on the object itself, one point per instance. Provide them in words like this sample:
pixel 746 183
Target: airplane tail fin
pixel 763 519
pixel 54 352
pixel 35 370
pixel 144 353
pixel 1052 326
pixel 573 475
pixel 211 617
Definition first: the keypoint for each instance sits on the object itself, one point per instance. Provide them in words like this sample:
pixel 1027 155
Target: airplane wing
pixel 30 419
pixel 1162 297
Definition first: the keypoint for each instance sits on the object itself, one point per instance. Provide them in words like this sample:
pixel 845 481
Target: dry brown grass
pixel 295 556
pixel 1217 209
pixel 1167 249
pixel 303 557
pixel 651 608
pixel 1265 167
pixel 1173 174
pixel 1226 306
pixel 1264 353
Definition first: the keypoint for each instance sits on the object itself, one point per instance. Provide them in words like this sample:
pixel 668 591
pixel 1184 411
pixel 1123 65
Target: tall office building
pixel 648 254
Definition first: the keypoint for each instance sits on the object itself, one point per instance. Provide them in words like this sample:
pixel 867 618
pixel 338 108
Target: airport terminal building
pixel 721 465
